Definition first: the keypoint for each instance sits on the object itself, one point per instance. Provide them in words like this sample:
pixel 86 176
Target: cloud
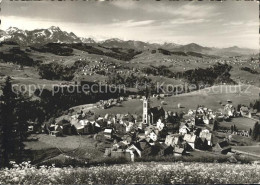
pixel 239 23
pixel 190 9
pixel 125 4
pixel 187 21
pixel 132 23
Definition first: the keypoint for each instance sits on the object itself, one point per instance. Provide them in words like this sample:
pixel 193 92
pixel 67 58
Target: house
pixel 141 136
pixel 258 115
pixel 135 150
pixel 55 133
pixel 191 112
pixel 191 140
pixel 65 125
pixel 122 154
pixel 184 130
pixel 206 135
pixel 153 136
pixel 160 125
pixel 120 128
pixel 229 110
pixel 77 126
pixel 82 127
pixel 165 149
pixel 143 144
pixel 222 147
pixel 107 152
pixel 169 140
pixel 178 151
pixel 129 126
pixel 244 111
pixel 30 128
pixel 108 133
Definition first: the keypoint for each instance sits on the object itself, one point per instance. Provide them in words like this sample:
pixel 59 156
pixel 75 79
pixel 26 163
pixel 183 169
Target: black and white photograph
pixel 129 92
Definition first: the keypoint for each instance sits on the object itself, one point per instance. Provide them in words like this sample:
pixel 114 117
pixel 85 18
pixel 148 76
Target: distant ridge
pixel 54 34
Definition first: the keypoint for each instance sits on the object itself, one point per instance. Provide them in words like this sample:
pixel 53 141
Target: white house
pixel 108 133
pixel 153 136
pixel 169 139
pixel 184 130
pixel 134 150
pixel 206 120
pixel 206 135
pixel 160 125
pixel 190 139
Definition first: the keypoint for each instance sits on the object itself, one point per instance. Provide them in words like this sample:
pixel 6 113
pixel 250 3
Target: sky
pixel 213 24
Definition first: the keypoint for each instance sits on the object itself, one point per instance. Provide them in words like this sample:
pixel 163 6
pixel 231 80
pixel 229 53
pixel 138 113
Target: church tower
pixel 146 110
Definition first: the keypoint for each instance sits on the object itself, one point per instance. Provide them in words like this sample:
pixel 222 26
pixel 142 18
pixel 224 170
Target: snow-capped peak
pixel 114 40
pixel 87 40
pixel 54 28
pixel 12 29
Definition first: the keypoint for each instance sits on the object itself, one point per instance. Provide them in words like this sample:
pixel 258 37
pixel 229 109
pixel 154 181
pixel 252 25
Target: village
pixel 155 132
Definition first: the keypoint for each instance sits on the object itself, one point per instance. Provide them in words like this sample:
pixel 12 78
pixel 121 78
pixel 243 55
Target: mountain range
pixel 56 35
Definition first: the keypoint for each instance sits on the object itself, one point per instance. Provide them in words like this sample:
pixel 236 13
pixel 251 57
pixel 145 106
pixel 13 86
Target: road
pixel 246 153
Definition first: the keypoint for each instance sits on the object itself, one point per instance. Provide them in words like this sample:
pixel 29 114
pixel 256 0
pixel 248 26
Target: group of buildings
pixel 154 132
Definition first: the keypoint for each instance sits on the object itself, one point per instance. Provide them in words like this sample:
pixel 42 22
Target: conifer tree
pixel 232 128
pixel 13 124
pixel 8 128
pixel 250 132
pixel 255 131
pixel 215 125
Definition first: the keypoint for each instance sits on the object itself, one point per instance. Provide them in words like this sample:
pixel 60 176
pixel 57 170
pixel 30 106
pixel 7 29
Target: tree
pixel 250 132
pixel 14 121
pixel 255 131
pixel 235 128
pixel 232 128
pixel 1 139
pixel 7 117
pixel 215 125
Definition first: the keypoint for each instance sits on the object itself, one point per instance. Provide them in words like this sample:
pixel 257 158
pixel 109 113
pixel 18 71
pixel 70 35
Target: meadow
pixel 148 173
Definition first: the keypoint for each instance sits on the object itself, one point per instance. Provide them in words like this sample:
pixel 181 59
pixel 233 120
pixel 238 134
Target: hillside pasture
pixel 83 147
pixel 241 123
pixel 210 97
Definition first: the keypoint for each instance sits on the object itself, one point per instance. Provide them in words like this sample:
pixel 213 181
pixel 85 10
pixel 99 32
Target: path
pixel 246 153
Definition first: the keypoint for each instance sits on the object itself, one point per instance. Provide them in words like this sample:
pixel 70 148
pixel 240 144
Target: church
pixel 151 115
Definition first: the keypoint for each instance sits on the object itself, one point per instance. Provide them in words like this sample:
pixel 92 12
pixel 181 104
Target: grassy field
pixel 137 173
pixel 83 147
pixel 209 97
pixel 241 123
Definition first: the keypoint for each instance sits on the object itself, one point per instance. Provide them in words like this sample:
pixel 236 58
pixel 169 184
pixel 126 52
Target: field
pixel 241 123
pixel 55 148
pixel 209 97
pixel 136 173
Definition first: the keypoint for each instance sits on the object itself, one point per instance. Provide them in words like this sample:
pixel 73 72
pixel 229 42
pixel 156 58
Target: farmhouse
pixel 244 111
pixel 192 140
pixel 206 135
pixel 137 152
pixel 108 133
pixel 178 151
pixel 222 147
pixel 122 154
pixel 184 130
pixel 173 140
pixel 229 110
pixel 165 149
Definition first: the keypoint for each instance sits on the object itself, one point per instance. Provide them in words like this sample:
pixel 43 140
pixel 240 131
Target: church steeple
pixel 146 110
